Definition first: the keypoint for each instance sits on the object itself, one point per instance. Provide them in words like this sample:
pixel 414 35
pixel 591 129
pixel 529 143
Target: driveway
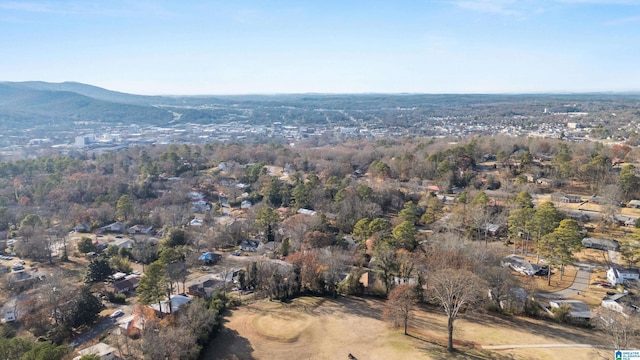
pixel 97 329
pixel 579 285
pixel 101 326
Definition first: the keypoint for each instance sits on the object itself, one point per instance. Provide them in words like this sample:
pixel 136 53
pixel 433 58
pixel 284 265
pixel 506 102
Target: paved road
pixel 97 329
pixel 538 346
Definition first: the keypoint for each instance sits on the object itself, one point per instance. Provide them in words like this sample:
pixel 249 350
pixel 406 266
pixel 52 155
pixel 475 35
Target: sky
pixel 324 46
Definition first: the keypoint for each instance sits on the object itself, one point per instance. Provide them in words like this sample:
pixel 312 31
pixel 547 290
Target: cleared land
pixel 319 328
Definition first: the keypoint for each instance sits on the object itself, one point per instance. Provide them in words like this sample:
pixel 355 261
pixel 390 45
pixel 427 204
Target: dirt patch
pixel 318 328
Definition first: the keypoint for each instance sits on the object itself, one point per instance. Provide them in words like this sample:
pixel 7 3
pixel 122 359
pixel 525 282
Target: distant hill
pixel 49 104
pixel 33 102
pixel 92 92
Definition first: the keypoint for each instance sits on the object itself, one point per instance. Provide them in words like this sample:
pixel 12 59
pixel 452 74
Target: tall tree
pixel 98 270
pixel 398 308
pixel 455 290
pixel 630 248
pixel 266 219
pixel 628 182
pixel 405 235
pixel 387 262
pixel 124 208
pixel 544 220
pixel 560 245
pixel 151 288
pixel 410 212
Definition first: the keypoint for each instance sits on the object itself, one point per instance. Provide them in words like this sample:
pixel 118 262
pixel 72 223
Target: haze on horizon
pixel 250 47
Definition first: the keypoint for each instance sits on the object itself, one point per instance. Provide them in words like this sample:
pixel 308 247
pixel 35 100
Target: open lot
pixel 319 328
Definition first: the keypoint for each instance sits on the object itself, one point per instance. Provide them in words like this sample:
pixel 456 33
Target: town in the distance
pixel 317 226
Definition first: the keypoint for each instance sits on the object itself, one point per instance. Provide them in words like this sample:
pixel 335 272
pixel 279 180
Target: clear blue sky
pixel 327 46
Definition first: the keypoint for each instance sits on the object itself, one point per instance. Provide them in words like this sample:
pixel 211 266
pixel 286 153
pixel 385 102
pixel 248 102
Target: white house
pixel 619 275
pixel 176 302
pixel 116 227
pixel 306 212
pixel 623 303
pixel 124 243
pixel 140 229
pixel 104 351
pixel 10 310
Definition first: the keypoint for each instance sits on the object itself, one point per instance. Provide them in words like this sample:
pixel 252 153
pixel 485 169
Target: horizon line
pixel 402 93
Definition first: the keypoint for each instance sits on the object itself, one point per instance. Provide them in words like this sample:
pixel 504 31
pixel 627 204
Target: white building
pixel 104 351
pixel 619 275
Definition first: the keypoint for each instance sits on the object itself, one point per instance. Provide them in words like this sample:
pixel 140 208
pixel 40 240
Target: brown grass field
pixel 320 328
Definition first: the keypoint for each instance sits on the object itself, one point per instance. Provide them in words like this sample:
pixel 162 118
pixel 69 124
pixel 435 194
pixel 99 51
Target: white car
pixel 116 314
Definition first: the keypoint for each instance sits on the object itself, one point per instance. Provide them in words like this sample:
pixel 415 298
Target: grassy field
pixel 319 328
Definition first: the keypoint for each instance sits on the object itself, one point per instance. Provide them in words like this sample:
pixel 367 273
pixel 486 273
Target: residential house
pixel 493 229
pixel 601 244
pixel 124 243
pixel 200 208
pixel 203 286
pixel 129 283
pixel 10 310
pixel 603 201
pixel 195 196
pixel 249 245
pixel 140 229
pixel 617 275
pixel 559 197
pixel 118 276
pixel 306 212
pixel 116 227
pixel 433 188
pixel 446 199
pixel 23 279
pixel 196 222
pixel 104 351
pixel 488 157
pixel 82 228
pixel 624 303
pixel 545 182
pixel 514 300
pixel 624 220
pixel 530 178
pixel 519 264
pixel 579 310
pixel 634 204
pixel 170 306
pixel 209 258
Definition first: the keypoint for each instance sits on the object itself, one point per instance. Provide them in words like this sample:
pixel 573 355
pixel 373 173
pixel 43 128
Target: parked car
pixel 236 253
pixel 116 314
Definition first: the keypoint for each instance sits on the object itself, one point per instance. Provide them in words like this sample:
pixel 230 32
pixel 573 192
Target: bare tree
pixel 399 305
pixel 621 331
pixel 455 291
